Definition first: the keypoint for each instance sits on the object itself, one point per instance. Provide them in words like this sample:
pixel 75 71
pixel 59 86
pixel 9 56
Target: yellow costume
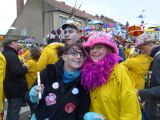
pixel 116 99
pixel 48 56
pixel 2 76
pixel 138 67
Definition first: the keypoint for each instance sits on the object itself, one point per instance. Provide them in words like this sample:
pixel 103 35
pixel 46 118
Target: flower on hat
pixel 144 38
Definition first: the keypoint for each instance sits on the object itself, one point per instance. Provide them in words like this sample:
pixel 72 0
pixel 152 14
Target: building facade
pixel 38 17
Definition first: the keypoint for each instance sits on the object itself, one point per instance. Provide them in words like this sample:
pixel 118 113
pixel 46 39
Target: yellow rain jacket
pixel 32 72
pixel 138 67
pixel 2 76
pixel 126 52
pixel 24 56
pixel 116 99
pixel 48 56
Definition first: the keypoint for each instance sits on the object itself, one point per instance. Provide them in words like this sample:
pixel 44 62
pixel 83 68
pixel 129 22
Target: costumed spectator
pixel 127 48
pixel 31 76
pixel 139 65
pixel 72 32
pixel 150 95
pixel 31 61
pixel 24 55
pixel 130 51
pixel 121 52
pixel 20 49
pixel 2 76
pixel 49 53
pixel 63 96
pixel 111 91
pixel 15 84
pixel 60 34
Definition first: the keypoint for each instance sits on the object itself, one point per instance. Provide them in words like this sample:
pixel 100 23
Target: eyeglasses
pixel 75 53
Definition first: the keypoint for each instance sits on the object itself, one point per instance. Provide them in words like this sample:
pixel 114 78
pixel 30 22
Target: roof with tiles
pixel 66 8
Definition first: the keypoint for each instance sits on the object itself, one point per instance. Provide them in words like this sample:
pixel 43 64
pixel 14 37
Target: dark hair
pixel 58 31
pixel 35 53
pixel 62 50
pixel 68 47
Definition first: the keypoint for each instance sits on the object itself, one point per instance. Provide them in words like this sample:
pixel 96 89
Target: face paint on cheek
pixel 74 37
pixel 77 63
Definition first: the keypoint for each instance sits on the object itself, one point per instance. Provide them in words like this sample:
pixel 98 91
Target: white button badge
pixel 55 85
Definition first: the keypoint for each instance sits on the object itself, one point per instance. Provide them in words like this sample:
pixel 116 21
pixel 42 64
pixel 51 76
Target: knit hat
pixel 101 38
pixel 144 39
pixel 71 23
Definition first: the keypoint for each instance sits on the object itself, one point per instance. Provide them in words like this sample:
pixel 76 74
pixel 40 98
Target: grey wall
pixel 30 20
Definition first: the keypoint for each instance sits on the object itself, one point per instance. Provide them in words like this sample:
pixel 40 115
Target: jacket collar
pixel 10 49
pixel 60 71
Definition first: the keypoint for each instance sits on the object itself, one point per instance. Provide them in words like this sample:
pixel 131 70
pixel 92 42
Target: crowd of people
pixel 94 77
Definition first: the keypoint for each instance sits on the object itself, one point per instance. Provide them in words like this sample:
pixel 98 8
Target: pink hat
pixel 101 38
pixel 144 39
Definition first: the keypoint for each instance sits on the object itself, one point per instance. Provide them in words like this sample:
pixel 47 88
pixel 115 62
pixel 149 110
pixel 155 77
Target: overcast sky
pixel 119 10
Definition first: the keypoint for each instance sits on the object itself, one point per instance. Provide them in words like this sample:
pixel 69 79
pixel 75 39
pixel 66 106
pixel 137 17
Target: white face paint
pixel 71 35
pixel 74 36
pixel 73 60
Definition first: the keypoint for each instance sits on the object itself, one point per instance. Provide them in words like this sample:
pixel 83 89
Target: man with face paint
pixel 72 34
pixel 49 53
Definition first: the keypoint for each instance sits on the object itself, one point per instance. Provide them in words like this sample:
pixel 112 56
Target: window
pixel 23 31
pixel 62 20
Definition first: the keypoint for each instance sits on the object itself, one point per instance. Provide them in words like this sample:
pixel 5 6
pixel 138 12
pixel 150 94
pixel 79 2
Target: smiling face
pixel 73 59
pixel 98 52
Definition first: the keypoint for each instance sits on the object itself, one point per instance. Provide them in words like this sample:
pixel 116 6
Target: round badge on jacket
pixel 70 107
pixel 75 91
pixel 55 85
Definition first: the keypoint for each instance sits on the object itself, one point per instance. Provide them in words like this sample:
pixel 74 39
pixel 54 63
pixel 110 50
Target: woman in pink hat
pixel 111 91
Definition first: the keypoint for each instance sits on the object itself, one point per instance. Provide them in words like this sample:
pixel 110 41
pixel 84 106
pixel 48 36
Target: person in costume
pixel 34 54
pixel 49 53
pixel 139 65
pixel 150 96
pixel 2 76
pixel 63 97
pixel 112 95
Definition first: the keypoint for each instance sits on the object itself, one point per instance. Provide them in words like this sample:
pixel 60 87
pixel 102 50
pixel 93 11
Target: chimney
pixel 20 5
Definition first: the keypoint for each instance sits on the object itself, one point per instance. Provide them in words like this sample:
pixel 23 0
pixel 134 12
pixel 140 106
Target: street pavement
pixel 23 114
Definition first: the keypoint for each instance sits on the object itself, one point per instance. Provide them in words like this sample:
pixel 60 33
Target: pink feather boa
pixel 94 75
